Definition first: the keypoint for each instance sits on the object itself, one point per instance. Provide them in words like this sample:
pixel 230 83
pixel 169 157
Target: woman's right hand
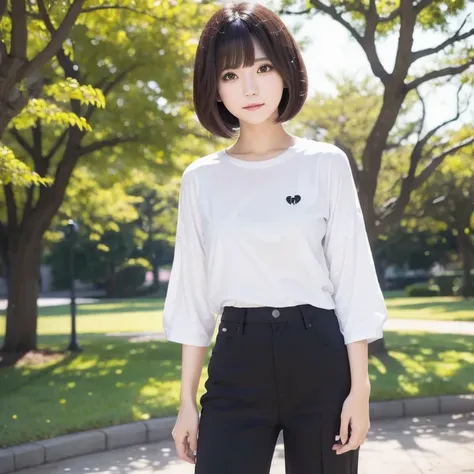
pixel 185 433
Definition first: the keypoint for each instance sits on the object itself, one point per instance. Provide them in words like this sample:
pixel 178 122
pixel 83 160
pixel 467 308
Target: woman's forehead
pixel 239 52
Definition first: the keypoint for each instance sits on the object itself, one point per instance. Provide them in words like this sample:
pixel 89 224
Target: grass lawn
pixel 117 381
pixel 443 307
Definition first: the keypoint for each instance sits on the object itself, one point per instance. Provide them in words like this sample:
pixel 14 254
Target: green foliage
pixel 71 89
pixel 445 283
pixel 422 289
pixel 128 279
pixel 17 173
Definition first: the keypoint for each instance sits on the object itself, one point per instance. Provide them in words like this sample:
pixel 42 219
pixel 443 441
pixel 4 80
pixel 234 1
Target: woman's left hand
pixel 355 411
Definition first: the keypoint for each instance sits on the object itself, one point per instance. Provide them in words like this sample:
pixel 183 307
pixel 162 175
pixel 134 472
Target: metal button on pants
pixel 274 370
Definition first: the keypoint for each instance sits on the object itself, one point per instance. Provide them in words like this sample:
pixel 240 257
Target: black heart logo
pixel 293 199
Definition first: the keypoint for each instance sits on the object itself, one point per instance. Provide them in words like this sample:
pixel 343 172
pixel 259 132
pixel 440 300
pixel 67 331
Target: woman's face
pixel 257 84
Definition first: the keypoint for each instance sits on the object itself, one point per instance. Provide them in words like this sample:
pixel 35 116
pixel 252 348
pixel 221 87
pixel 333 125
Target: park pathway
pixel 442 444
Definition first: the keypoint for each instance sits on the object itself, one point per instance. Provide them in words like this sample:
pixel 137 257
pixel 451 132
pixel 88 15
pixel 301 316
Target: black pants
pixel 274 369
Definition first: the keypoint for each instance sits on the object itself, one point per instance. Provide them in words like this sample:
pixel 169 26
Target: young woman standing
pixel 271 238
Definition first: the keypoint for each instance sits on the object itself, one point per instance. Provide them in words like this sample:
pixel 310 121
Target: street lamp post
pixel 71 234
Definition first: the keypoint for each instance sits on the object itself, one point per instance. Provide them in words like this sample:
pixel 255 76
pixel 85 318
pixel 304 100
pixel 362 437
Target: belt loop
pixel 307 322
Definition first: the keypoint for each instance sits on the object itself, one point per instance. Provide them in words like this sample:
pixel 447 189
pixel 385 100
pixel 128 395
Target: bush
pixel 446 283
pixel 459 287
pixel 422 289
pixel 128 279
pixel 401 282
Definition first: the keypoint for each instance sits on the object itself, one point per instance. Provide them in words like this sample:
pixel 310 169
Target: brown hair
pixel 226 43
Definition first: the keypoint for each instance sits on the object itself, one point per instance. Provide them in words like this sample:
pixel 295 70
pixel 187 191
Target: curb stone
pixel 159 429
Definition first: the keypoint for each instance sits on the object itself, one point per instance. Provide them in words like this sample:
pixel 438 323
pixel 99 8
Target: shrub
pixel 422 289
pixel 128 279
pixel 446 283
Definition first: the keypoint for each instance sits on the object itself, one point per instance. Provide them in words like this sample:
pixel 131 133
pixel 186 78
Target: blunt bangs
pixel 227 43
pixel 234 47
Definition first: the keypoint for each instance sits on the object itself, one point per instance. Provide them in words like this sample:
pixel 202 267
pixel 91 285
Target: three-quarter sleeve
pixel 359 302
pixel 187 317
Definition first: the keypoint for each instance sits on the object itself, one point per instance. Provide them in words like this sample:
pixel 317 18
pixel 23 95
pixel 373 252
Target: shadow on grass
pixel 104 306
pixel 117 381
pixel 112 381
pixel 440 305
pixel 420 364
pixel 107 306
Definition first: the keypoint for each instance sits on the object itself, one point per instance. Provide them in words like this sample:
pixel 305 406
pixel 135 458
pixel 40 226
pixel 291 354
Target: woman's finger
pixel 182 448
pixel 351 445
pixel 344 429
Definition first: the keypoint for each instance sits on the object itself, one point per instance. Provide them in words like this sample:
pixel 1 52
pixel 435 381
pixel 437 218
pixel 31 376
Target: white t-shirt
pixel 278 232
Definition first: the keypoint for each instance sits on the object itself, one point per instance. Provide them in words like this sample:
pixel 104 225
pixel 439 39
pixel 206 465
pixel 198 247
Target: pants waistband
pixel 268 314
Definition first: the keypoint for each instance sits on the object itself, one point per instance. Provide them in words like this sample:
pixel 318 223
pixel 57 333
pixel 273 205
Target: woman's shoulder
pixel 200 164
pixel 319 149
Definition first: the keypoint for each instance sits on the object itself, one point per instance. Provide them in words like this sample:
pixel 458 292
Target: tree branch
pixel 3 8
pixel 56 41
pixel 453 39
pixel 19 35
pixel 98 145
pixel 437 160
pixel 45 17
pixel 108 87
pixel 21 141
pixel 289 12
pixel 56 146
pixel 333 13
pixel 355 168
pixel 448 71
pixel 459 112
pixel 11 208
pixel 390 17
pixel 119 7
pixel 405 41
pixel 421 5
pixel 423 114
pixel 367 41
pixel 37 134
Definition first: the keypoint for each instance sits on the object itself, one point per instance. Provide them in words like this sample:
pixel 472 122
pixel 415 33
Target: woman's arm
pixel 186 428
pixel 187 316
pixel 192 364
pixel 359 362
pixel 359 302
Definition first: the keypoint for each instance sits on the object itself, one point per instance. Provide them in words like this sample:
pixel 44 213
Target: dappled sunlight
pixel 422 365
pixel 108 383
pixel 447 308
pixel 377 365
pixel 102 324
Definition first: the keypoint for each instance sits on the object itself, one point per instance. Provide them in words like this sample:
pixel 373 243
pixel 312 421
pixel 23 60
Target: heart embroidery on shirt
pixel 293 199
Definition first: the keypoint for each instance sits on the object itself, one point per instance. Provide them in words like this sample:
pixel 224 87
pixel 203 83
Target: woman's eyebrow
pixel 261 59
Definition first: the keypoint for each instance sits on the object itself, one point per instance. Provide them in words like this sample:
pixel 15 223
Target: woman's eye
pixel 266 67
pixel 226 77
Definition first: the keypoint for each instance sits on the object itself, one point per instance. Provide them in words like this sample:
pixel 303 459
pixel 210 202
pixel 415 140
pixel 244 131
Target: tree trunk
pixel 23 271
pixel 465 249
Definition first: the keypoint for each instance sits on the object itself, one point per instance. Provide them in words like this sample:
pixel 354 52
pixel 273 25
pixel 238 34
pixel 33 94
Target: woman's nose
pixel 250 85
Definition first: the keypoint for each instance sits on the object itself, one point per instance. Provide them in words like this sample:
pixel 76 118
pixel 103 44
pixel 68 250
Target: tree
pixel 447 203
pixel 156 221
pixel 366 20
pixel 111 49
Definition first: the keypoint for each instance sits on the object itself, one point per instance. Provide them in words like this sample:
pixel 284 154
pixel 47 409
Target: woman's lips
pixel 254 107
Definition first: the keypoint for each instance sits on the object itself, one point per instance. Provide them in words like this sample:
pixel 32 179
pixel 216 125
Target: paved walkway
pixel 429 445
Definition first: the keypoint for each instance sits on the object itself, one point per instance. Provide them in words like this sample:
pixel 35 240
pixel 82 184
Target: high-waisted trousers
pixel 272 370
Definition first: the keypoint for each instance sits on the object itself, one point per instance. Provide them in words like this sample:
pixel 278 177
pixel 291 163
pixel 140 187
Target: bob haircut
pixel 226 43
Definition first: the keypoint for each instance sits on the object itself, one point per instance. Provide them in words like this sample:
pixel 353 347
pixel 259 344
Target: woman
pixel 271 238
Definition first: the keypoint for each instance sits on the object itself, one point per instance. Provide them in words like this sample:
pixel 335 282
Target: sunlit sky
pixel 334 51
